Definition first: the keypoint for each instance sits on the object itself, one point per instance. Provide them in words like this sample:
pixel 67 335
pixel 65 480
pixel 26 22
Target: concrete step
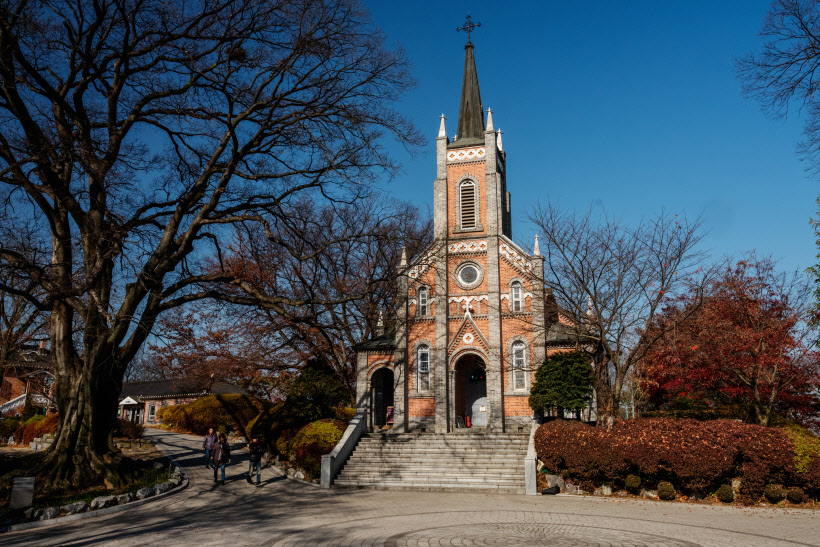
pixel 453 462
pixel 441 487
pixel 438 478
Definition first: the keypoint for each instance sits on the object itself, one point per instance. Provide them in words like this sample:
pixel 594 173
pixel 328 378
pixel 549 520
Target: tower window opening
pixel 468 204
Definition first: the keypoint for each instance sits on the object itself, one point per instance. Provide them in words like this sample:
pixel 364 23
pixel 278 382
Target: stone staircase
pixel 491 462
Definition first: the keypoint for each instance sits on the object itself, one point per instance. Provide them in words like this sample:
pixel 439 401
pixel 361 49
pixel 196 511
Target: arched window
pixel 423 363
pixel 516 300
pixel 468 204
pixel 422 309
pixel 519 366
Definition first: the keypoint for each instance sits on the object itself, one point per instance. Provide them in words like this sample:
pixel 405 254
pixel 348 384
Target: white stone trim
pixel 467 247
pixel 466 154
pixel 515 258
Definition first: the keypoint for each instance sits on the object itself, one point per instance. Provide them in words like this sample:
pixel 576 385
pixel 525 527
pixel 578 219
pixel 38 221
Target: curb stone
pixel 99 512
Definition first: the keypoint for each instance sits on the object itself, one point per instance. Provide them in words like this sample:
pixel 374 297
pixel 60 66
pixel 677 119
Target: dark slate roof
pixel 28 358
pixel 471 111
pixel 179 387
pixel 386 342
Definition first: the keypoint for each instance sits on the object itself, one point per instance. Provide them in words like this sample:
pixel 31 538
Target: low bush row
pixel 228 412
pixel 694 457
pixel 129 429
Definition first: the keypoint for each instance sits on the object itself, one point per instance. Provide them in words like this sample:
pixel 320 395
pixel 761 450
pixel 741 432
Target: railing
pixel 531 463
pixel 333 462
pixel 14 403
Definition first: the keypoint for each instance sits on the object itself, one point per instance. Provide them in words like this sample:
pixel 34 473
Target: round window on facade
pixel 469 275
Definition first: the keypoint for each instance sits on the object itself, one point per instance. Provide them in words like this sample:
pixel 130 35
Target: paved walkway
pixel 284 512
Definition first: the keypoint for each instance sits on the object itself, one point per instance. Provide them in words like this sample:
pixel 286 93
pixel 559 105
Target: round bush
pixel 632 483
pixel 725 493
pixel 774 493
pixel 313 441
pixel 795 495
pixel 666 491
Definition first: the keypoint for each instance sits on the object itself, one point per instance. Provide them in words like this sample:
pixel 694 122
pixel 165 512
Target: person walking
pixel 257 450
pixel 222 456
pixel 208 446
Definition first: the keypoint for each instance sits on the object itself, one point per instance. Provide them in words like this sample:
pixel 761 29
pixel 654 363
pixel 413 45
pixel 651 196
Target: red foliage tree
pixel 746 344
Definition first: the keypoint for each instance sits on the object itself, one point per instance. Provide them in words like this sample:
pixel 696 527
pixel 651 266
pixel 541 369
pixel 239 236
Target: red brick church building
pixel 474 320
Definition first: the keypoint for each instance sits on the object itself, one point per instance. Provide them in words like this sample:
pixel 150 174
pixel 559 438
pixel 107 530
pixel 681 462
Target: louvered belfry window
pixel 468 205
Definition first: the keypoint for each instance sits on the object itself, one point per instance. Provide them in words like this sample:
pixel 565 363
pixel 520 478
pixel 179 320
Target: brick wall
pixel 420 407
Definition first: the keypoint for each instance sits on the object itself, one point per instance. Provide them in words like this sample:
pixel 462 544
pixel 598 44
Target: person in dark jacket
pixel 222 456
pixel 208 445
pixel 257 450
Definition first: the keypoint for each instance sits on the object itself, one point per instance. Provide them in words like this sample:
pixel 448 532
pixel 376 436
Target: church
pixel 473 317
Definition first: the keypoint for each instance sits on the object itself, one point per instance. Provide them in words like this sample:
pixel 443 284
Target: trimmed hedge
pixel 313 441
pixel 233 412
pixel 34 427
pixel 694 456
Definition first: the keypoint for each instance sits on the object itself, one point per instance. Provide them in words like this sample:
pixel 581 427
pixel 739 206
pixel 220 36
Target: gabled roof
pixel 178 387
pixel 383 342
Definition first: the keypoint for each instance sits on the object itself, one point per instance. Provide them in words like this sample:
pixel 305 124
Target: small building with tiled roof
pixel 140 401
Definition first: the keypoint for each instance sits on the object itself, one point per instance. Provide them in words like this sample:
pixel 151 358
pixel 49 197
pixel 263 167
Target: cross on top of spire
pixel 469 26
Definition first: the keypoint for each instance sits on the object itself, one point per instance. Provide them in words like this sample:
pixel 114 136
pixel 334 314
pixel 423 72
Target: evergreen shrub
pixel 666 491
pixel 313 441
pixel 725 493
pixel 774 493
pixel 632 483
pixel 795 494
pixel 564 381
pixel 698 456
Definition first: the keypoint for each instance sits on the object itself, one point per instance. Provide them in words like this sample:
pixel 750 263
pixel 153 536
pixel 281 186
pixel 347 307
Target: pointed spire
pixel 536 250
pixel 403 256
pixel 441 131
pixel 471 112
pixel 498 142
pixel 380 323
pixel 589 306
pixel 489 120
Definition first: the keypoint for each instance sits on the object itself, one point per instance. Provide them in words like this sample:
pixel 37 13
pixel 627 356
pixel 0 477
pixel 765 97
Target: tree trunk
pixel 87 389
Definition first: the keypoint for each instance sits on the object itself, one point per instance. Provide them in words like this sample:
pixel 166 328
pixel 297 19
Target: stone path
pixel 283 512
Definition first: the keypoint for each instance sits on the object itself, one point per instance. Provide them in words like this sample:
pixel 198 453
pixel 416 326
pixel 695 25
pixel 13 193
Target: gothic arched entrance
pixel 381 397
pixel 471 391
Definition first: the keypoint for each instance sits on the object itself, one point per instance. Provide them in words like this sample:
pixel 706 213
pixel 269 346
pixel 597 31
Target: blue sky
pixel 628 106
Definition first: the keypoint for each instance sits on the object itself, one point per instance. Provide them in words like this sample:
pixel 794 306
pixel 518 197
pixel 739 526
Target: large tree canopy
pixel 132 132
pixel 746 342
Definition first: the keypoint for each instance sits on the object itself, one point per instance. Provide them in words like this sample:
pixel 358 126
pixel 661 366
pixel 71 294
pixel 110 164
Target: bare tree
pixel 134 133
pixel 340 262
pixel 611 280
pixel 784 74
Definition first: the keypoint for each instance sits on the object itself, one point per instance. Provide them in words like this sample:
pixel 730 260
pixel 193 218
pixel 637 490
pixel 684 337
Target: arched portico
pixel 469 397
pixel 382 398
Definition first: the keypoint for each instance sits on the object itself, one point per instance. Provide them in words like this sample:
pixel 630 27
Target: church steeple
pixel 471 111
